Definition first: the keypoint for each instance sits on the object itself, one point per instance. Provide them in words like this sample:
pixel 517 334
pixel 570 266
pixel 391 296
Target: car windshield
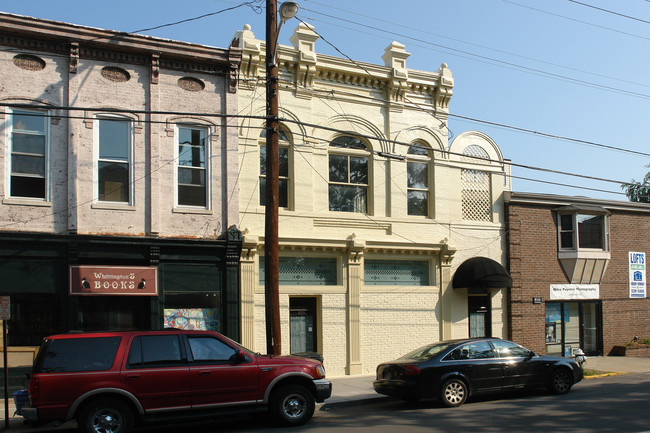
pixel 427 352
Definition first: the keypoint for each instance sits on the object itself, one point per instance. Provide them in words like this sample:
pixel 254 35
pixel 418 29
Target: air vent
pixel 29 62
pixel 115 74
pixel 191 84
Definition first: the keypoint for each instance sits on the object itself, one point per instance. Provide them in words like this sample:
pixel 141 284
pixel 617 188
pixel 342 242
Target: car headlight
pixel 320 371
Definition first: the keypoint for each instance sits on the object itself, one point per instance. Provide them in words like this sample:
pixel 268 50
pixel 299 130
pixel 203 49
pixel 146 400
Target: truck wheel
pixel 107 415
pixel 292 405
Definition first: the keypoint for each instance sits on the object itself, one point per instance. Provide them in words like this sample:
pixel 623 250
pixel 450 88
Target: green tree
pixel 638 191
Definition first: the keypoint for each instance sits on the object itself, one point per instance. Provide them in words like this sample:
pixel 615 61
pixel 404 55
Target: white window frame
pixel 207 168
pixel 425 160
pixel 351 153
pixel 575 231
pixel 282 144
pixel 96 160
pixel 9 152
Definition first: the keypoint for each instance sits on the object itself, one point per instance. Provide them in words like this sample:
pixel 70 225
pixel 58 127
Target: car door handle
pixel 133 376
pixel 203 373
pixel 267 368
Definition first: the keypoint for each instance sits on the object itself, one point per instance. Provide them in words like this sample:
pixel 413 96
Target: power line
pixel 610 12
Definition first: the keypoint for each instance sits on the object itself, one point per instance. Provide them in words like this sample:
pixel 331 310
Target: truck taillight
pixel 33 388
pixel 411 370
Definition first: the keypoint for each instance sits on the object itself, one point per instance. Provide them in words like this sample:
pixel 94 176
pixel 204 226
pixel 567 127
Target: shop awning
pixel 481 273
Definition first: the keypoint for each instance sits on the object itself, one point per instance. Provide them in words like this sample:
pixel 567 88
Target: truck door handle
pixel 203 373
pixel 267 368
pixel 133 376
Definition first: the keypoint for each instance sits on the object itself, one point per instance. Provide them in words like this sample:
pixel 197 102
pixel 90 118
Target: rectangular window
pixel 29 154
pixel 192 168
pixel 283 176
pixel 476 199
pixel 396 273
pixel 566 231
pixel 590 231
pixel 418 188
pixel 114 159
pixel 77 354
pixel 305 271
pixel 348 187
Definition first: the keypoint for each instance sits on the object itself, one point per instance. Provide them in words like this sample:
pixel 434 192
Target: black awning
pixel 481 273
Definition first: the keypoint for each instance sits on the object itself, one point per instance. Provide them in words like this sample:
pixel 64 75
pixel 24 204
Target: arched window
pixel 283 175
pixel 348 174
pixel 418 178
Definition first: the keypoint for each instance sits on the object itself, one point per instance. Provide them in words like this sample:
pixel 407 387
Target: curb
pixel 614 373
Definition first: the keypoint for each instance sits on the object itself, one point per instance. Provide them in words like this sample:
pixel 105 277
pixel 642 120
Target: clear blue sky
pixel 559 67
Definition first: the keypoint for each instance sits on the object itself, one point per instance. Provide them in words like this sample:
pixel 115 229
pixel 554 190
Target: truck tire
pixel 292 405
pixel 105 415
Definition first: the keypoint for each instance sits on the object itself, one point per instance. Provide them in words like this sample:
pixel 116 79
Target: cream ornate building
pixel 377 206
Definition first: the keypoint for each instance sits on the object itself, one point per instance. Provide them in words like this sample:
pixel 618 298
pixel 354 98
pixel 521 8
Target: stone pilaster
pixel 355 281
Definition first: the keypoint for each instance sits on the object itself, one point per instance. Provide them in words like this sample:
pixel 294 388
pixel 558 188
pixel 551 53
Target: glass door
pixel 591 328
pixel 302 325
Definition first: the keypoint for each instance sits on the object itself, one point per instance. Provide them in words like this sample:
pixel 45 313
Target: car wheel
pixel 453 393
pixel 561 381
pixel 106 416
pixel 292 405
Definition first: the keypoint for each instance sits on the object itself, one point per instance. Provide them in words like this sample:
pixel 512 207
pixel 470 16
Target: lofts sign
pixel 114 280
pixel 637 275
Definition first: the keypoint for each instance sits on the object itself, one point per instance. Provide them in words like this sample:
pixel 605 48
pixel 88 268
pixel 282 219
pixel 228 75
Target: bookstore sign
pixel 114 280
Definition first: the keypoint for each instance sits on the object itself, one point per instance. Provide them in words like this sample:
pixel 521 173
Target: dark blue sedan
pixel 453 370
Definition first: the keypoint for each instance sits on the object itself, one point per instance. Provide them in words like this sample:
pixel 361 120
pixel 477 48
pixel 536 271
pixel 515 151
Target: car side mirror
pixel 238 357
pixel 530 355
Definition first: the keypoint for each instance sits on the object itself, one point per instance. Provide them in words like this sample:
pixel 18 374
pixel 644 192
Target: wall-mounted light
pixel 142 284
pixel 84 283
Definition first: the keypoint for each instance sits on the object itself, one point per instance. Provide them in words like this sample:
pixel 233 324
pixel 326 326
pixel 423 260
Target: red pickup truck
pixel 110 381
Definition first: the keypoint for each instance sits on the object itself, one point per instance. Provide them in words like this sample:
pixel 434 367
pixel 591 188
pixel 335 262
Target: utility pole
pixel 271 236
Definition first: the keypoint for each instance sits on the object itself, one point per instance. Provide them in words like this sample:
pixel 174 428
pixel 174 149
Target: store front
pixel 573 325
pixel 59 283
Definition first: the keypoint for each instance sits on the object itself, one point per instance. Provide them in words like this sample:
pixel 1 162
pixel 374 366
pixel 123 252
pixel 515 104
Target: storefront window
pixel 195 311
pixel 564 322
pixel 33 316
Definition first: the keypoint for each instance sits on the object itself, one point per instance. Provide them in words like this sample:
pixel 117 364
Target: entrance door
pixel 302 320
pixel 479 316
pixel 590 328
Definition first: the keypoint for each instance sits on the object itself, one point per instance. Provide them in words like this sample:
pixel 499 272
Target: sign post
pixel 5 314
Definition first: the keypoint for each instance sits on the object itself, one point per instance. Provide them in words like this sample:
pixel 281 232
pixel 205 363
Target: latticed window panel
pixel 396 273
pixel 473 152
pixel 304 271
pixel 476 195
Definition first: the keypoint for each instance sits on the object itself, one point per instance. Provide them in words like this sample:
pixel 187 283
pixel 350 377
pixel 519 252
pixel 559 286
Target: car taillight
pixel 411 370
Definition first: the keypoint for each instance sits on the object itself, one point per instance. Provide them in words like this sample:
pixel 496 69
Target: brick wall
pixel 534 265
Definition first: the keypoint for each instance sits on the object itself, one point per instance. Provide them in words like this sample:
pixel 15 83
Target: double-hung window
pixel 192 172
pixel 114 172
pixel 283 174
pixel 418 180
pixel 29 154
pixel 348 175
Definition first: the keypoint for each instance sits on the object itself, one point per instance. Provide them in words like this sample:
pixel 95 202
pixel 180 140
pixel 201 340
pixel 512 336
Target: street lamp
pixel 271 237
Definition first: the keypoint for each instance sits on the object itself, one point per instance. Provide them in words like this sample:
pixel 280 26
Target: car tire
pixel 107 415
pixel 454 392
pixel 561 381
pixel 292 405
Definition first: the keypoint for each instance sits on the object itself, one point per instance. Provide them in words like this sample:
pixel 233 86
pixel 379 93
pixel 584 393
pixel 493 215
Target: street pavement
pixel 349 390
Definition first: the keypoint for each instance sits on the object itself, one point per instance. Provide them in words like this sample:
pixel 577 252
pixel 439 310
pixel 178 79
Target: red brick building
pixel 578 271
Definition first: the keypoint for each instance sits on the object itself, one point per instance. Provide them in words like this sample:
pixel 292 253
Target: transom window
pixel 304 271
pixel 418 179
pixel 590 233
pixel 192 168
pixel 283 174
pixel 348 175
pixel 396 272
pixel 114 159
pixel 29 154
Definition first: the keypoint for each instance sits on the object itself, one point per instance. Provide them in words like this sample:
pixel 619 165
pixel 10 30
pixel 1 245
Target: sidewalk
pixel 358 389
